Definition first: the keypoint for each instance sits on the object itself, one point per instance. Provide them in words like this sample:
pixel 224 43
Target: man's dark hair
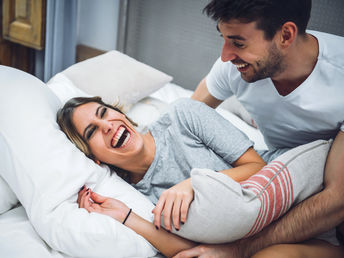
pixel 270 15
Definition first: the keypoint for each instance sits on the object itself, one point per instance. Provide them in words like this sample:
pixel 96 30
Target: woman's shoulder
pixel 188 111
pixel 186 105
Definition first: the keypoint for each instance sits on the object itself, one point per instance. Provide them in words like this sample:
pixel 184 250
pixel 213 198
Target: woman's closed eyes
pixel 92 128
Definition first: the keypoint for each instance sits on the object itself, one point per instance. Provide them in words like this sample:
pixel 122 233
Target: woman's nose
pixel 105 126
pixel 227 53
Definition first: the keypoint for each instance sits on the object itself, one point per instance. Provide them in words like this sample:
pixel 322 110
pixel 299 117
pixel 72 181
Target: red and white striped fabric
pixel 274 188
pixel 224 210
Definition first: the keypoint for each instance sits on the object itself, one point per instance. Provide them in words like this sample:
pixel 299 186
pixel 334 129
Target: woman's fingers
pixel 176 211
pixel 81 192
pixel 167 212
pixel 158 210
pixel 85 199
pixel 185 208
pixel 97 197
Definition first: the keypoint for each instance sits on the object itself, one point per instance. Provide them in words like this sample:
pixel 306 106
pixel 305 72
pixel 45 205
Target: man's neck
pixel 300 62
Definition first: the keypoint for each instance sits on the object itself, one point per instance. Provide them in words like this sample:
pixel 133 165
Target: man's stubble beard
pixel 268 68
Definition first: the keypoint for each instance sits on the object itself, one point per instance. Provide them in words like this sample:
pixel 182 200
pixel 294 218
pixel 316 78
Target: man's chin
pixel 251 78
pixel 247 78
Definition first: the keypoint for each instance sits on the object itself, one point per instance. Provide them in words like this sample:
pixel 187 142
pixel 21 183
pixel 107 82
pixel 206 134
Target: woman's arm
pixel 247 165
pixel 174 202
pixel 167 243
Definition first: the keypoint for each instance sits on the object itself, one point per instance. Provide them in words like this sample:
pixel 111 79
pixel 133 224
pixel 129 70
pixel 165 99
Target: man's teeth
pixel 241 65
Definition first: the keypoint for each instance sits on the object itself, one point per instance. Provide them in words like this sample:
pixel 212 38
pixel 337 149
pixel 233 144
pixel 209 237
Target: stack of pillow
pixel 42 169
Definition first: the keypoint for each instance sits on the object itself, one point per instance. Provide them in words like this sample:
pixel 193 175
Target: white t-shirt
pixel 314 110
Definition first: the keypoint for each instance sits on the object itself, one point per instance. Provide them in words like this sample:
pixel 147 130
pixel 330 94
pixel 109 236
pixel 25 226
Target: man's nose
pixel 228 53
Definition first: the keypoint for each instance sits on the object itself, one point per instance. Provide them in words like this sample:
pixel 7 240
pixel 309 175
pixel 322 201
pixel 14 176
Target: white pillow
pixel 8 198
pixel 234 106
pixel 224 210
pixel 46 172
pixel 116 77
pixel 64 88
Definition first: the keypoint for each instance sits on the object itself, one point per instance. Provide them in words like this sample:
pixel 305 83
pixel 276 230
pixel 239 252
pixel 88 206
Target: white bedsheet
pixel 19 239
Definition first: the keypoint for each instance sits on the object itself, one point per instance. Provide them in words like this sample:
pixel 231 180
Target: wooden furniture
pixel 22 30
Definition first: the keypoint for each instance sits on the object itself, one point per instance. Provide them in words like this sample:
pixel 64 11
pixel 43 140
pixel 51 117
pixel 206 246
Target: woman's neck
pixel 139 169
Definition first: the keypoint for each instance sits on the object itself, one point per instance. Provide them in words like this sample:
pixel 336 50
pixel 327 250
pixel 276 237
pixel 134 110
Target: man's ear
pixel 287 34
pixel 97 161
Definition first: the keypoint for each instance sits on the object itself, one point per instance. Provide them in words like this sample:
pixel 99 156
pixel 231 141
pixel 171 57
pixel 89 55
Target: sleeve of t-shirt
pixel 218 80
pixel 212 130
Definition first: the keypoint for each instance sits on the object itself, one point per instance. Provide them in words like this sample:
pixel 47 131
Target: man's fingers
pixel 193 252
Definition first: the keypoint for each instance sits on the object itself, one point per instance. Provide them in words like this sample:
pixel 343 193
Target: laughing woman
pixel 158 162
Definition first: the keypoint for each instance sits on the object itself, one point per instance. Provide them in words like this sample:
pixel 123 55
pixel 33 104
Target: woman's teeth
pixel 121 138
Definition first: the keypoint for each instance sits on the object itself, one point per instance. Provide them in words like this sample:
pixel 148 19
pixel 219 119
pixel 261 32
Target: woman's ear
pixel 288 34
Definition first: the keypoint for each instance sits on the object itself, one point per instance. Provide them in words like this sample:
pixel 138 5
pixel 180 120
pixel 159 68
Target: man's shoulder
pixel 330 47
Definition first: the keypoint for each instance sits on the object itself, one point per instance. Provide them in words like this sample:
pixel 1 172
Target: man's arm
pixel 308 219
pixel 202 94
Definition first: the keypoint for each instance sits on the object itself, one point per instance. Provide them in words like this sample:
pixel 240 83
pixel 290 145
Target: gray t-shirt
pixel 190 135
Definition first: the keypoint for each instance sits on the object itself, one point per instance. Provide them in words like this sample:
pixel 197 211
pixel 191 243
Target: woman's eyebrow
pixel 97 111
pixel 98 108
pixel 85 131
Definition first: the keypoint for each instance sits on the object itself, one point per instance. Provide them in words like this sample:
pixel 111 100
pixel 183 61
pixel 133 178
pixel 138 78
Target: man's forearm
pixel 308 219
pixel 311 217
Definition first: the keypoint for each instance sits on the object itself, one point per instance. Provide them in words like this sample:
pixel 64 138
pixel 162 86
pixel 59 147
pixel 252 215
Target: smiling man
pixel 291 82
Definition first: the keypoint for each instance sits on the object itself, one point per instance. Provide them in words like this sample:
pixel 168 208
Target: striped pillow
pixel 224 210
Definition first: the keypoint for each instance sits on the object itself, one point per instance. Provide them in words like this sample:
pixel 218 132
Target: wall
pixel 97 23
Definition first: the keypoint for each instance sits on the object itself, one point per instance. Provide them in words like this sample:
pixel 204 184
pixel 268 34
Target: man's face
pixel 245 46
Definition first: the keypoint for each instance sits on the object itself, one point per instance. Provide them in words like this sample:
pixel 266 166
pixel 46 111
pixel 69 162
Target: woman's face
pixel 111 137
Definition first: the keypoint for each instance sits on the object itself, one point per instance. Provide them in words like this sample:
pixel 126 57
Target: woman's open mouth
pixel 121 137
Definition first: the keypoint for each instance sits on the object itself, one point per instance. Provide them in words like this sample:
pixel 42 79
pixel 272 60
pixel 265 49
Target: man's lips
pixel 241 66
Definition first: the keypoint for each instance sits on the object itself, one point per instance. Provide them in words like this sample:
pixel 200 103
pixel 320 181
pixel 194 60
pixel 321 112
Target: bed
pixel 42 171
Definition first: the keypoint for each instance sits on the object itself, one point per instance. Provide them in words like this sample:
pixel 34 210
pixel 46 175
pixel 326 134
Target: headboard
pixel 175 37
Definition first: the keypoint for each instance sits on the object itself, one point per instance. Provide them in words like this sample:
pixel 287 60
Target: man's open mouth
pixel 120 138
pixel 242 67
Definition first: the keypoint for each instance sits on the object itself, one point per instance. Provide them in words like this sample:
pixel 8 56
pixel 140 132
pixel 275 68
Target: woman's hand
pixel 93 202
pixel 174 202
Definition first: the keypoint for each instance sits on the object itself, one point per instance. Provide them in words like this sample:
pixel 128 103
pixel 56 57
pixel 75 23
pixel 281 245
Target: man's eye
pixel 90 132
pixel 103 112
pixel 238 45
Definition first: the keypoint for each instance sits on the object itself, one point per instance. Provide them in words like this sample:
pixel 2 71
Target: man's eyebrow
pixel 238 37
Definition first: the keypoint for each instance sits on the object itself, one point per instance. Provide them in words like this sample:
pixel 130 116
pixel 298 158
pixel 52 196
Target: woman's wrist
pixel 126 218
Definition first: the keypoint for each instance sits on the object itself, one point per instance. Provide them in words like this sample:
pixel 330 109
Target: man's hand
pixel 214 251
pixel 174 202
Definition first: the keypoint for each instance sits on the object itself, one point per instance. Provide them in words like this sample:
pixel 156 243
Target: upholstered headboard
pixel 175 37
